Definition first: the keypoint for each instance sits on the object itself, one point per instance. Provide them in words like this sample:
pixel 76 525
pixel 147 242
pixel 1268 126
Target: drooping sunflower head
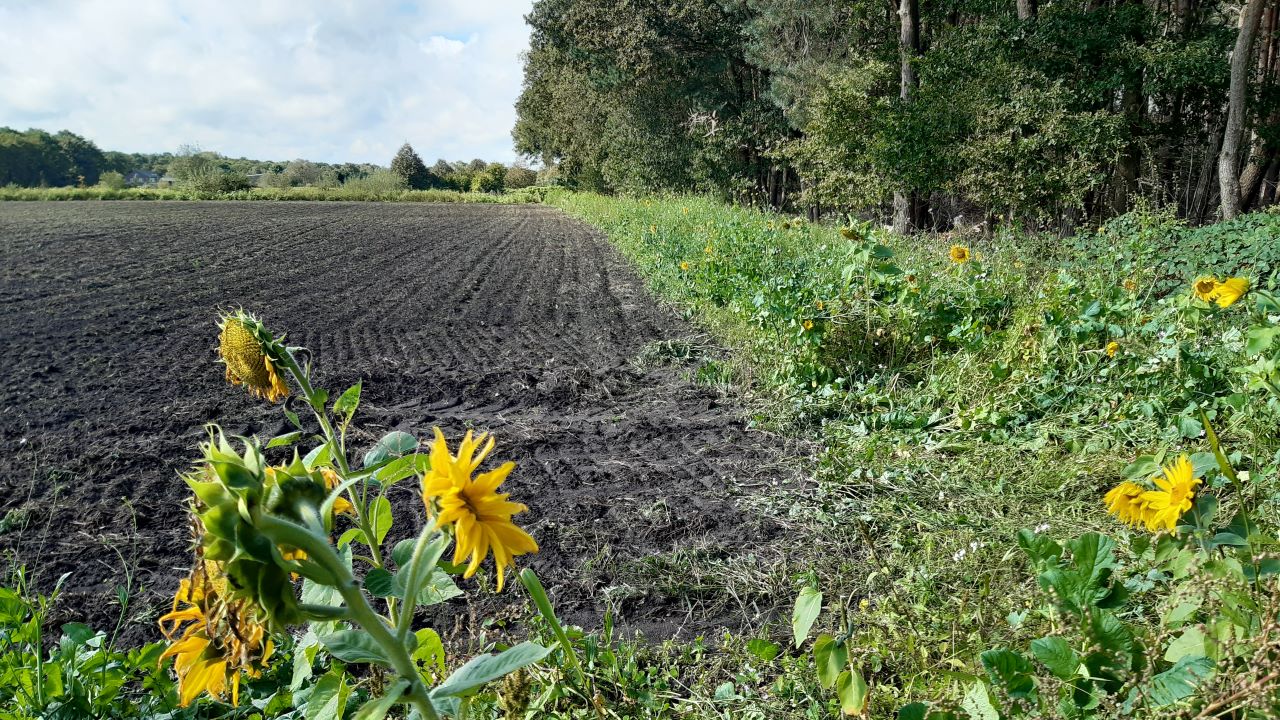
pixel 479 515
pixel 960 254
pixel 1230 290
pixel 1124 501
pixel 247 348
pixel 213 637
pixel 1205 286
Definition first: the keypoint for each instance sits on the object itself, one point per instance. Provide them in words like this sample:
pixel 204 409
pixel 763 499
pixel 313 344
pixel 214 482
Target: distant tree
pixel 520 177
pixel 442 168
pixel 477 165
pixel 490 179
pixel 302 172
pixel 409 166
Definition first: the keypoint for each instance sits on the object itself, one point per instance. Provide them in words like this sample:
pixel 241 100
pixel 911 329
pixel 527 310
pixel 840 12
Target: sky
pixel 324 80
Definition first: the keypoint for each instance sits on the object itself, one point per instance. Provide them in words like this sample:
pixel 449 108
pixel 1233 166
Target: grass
pixel 359 194
pixel 954 405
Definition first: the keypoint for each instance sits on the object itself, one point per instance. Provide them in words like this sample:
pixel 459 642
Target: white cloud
pixel 332 81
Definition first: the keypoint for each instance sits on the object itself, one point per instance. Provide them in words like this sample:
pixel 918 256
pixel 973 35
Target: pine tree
pixel 409 166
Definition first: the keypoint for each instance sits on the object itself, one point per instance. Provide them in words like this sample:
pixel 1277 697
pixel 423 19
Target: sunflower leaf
pixel 486 668
pixel 808 605
pixel 354 646
pixel 347 403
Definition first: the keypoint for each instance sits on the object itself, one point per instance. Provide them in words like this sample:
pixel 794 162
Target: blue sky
pixel 268 79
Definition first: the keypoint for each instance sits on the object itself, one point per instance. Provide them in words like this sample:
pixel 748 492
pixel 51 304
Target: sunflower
pixel 848 233
pixel 1204 287
pixel 1229 291
pixel 960 254
pixel 212 639
pixel 247 361
pixel 1173 498
pixel 1124 501
pixel 1131 285
pixel 479 514
pixel 684 264
pixel 1113 347
pixel 807 325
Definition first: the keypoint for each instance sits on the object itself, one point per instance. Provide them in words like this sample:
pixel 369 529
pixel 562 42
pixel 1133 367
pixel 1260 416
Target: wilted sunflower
pixel 1124 501
pixel 1113 347
pixel 1229 291
pixel 247 361
pixel 213 639
pixel 1131 285
pixel 1173 498
pixel 1204 287
pixel 479 514
pixel 848 233
pixel 960 254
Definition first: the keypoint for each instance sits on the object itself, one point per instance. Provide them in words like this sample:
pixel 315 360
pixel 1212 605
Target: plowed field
pixel 510 319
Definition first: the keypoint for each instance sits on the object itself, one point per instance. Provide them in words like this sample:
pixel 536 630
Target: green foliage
pixel 408 166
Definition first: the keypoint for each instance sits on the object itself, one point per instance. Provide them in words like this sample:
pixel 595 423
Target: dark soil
pixel 516 320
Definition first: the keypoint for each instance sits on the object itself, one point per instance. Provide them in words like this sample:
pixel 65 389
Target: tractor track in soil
pixel 511 319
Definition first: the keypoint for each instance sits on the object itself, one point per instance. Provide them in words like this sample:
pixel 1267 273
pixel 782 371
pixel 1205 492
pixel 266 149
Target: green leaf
pixel 831 657
pixel 1189 427
pixel 304 654
pixel 347 402
pixel 977 704
pixel 351 534
pixel 318 456
pixel 378 708
pixel 763 649
pixel 320 398
pixel 293 418
pixel 1011 671
pixel 354 646
pixel 328 699
pixel 1142 468
pixel 402 553
pixel 401 468
pixel 285 439
pixel 486 668
pixel 851 688
pixel 1057 655
pixel 381 518
pixel 381 583
pixel 430 650
pixel 914 711
pixel 438 588
pixel 1190 643
pixel 393 444
pixel 1179 681
pixel 808 605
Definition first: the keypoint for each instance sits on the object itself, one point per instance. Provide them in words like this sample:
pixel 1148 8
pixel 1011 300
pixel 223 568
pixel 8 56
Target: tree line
pixel 932 113
pixel 36 158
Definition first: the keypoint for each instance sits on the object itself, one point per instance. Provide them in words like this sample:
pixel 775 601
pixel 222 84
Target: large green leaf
pixel 486 668
pixel 1010 671
pixel 977 704
pixel 1179 681
pixel 808 605
pixel 831 657
pixel 1056 654
pixel 392 445
pixel 354 646
pixel 851 688
pixel 328 699
pixel 347 402
pixel 381 518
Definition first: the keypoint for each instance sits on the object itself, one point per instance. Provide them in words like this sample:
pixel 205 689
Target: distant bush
pixel 378 182
pixel 520 177
pixel 111 181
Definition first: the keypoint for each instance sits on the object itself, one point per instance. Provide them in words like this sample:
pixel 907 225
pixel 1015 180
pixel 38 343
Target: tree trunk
pixel 908 47
pixel 1027 9
pixel 1228 160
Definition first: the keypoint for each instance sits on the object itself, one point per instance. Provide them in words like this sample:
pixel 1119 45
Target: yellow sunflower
pixel 1113 347
pixel 808 325
pixel 1173 498
pixel 479 514
pixel 212 639
pixel 246 361
pixel 1229 291
pixel 1124 501
pixel 960 254
pixel 1204 287
pixel 684 264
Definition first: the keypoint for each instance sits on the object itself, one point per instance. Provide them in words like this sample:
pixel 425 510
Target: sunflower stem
pixel 357 605
pixel 405 619
pixel 338 451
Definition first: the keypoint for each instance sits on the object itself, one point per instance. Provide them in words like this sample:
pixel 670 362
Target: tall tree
pixel 905 201
pixel 1229 158
pixel 409 166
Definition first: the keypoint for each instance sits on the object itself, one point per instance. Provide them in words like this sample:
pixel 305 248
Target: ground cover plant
pixel 977 398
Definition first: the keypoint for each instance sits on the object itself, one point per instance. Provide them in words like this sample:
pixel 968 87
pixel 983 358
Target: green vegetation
pixel 942 115
pixel 966 409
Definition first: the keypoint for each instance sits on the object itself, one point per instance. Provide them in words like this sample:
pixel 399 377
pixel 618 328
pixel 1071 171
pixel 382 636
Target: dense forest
pixel 938 114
